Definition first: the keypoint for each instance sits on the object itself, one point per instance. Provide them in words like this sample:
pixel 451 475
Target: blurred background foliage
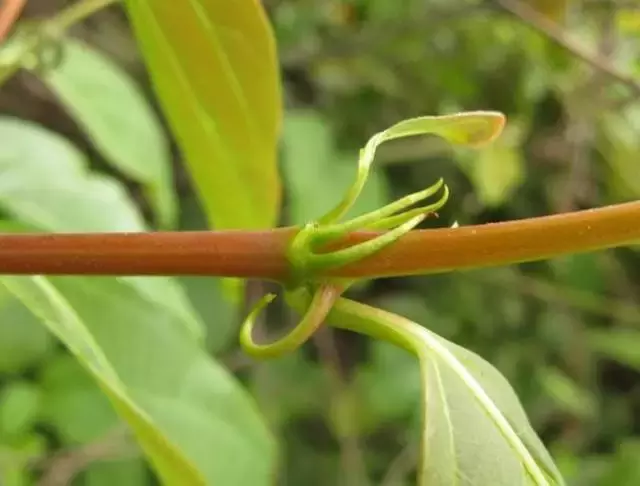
pixel 564 332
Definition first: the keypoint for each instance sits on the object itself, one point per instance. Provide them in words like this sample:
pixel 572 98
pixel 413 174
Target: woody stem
pixel 262 254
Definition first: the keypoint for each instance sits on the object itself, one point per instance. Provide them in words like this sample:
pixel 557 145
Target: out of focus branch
pixel 353 467
pixel 9 12
pixel 554 32
pixel 62 468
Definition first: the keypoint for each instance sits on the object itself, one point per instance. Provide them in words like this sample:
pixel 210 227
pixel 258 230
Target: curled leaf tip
pixel 308 252
pixel 488 126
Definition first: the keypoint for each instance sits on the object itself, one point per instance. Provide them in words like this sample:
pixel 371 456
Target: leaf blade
pixel 179 413
pixel 472 129
pixel 204 57
pixel 115 115
pixel 46 184
pixel 506 452
pixel 495 398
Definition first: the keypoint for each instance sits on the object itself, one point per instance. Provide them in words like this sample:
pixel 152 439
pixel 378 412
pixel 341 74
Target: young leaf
pixel 113 111
pixel 45 183
pixel 498 170
pixel 192 419
pixel 213 65
pixel 474 430
pixel 316 171
pixel 472 129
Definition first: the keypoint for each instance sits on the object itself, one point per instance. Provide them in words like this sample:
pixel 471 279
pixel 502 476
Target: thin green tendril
pixel 320 305
pixel 308 261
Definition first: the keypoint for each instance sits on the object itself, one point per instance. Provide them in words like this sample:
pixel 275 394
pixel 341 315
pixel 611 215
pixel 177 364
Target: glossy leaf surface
pixel 213 65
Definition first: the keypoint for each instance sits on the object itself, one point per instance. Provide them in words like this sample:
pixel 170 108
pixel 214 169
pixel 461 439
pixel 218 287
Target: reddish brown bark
pixel 262 254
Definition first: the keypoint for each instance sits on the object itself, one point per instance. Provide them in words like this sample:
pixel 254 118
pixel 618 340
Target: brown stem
pixel 262 254
pixel 221 253
pixel 467 247
pixel 550 29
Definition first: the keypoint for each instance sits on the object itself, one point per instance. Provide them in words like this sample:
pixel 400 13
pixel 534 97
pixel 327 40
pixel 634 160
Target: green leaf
pixel 206 295
pixel 218 313
pixel 316 172
pixel 47 185
pixel 618 143
pixel 73 404
pixel 20 403
pixel 622 345
pixel 475 430
pixel 17 458
pixel 24 342
pixel 498 170
pixel 568 394
pixel 472 129
pixel 385 397
pixel 289 388
pixel 123 472
pixel 213 65
pixel 628 21
pixel 194 422
pixel 113 111
pixel 623 468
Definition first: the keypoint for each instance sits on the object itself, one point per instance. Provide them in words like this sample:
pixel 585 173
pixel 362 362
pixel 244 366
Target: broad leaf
pixel 74 406
pixel 191 418
pixel 213 64
pixel 45 183
pixel 24 343
pixel 474 429
pixel 113 111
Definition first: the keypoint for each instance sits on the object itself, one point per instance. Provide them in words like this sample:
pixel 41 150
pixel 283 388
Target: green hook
pixel 320 305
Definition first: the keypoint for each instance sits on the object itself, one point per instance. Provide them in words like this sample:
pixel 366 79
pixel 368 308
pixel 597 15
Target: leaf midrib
pixel 492 410
pixel 208 124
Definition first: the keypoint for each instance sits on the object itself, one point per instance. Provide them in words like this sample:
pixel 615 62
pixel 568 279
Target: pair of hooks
pixel 307 262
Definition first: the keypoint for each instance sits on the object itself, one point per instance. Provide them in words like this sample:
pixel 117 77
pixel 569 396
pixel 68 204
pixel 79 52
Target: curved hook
pixel 395 215
pixel 320 305
pixel 473 128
